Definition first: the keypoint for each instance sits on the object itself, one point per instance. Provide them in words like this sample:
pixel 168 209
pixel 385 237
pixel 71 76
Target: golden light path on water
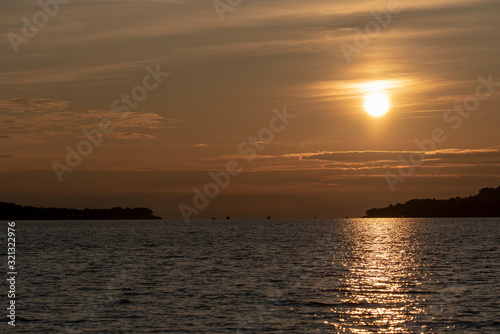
pixel 380 287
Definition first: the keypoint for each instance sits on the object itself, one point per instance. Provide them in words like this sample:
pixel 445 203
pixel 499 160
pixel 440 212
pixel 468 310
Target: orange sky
pixel 224 80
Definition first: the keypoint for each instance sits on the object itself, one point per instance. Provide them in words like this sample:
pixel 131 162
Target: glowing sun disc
pixel 377 104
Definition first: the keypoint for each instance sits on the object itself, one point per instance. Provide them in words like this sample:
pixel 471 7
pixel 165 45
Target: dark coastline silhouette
pixel 11 211
pixel 484 204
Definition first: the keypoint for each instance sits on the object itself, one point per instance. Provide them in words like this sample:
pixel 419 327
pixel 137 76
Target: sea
pixel 256 276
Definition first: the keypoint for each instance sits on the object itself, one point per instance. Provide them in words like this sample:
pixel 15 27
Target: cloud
pixel 132 120
pixel 371 156
pixel 359 162
pixel 46 117
pixel 246 156
pixel 37 105
pixel 440 161
pixel 353 156
pixel 76 72
pixel 129 135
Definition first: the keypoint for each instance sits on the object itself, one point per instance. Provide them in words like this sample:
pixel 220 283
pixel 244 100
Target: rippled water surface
pixel 269 276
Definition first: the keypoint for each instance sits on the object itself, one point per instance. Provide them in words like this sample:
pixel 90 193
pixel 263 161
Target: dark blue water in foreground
pixel 270 276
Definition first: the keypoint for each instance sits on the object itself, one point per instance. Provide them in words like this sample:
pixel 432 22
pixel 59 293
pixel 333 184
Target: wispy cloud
pixel 471 156
pixel 36 105
pixel 45 117
pixel 130 135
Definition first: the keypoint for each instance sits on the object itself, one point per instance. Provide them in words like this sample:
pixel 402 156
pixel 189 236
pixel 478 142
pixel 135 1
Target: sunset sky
pixel 225 78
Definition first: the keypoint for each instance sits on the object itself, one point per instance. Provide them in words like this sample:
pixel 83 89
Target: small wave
pixel 349 303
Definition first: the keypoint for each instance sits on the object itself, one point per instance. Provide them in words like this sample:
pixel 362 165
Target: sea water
pixel 258 276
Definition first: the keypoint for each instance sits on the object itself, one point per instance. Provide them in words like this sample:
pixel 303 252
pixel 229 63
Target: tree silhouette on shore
pixel 484 204
pixel 11 211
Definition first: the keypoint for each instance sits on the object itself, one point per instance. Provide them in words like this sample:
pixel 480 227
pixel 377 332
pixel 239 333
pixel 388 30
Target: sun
pixel 377 104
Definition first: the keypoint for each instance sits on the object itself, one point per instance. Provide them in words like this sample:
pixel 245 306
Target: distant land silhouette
pixel 11 211
pixel 484 204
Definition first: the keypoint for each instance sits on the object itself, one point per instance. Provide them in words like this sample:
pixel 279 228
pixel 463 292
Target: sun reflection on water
pixel 381 280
